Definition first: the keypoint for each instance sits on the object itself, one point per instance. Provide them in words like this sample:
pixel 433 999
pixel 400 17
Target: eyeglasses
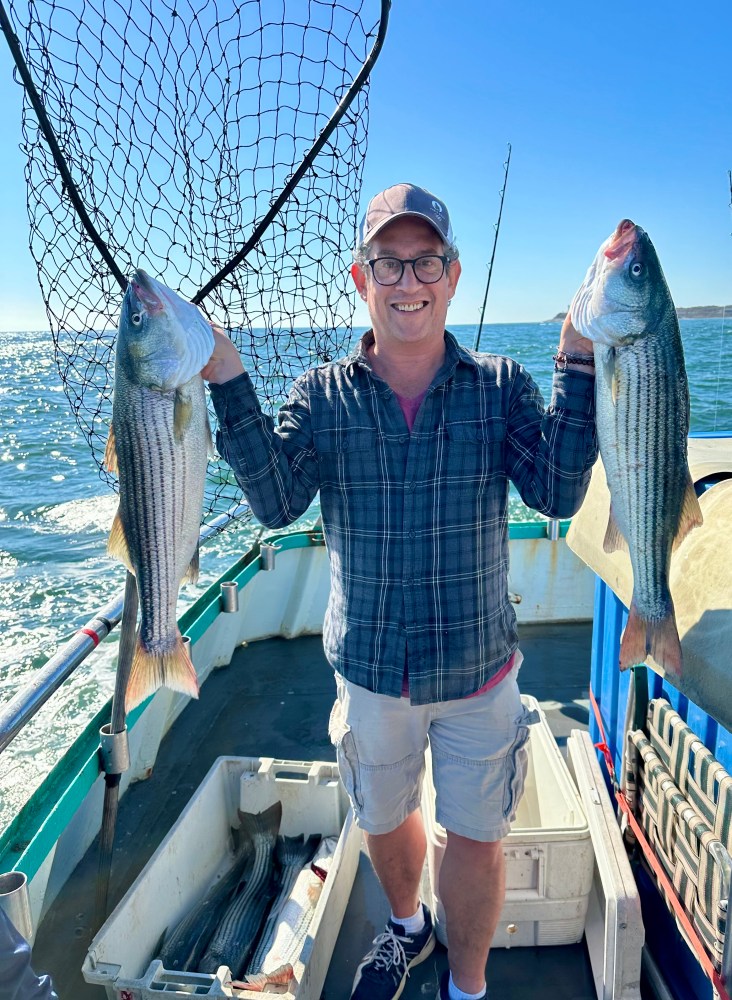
pixel 427 269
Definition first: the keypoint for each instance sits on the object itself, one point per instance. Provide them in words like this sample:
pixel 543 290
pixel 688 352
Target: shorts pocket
pixel 345 746
pixel 517 764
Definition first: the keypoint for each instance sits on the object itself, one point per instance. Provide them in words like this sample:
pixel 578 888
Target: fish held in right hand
pixel 625 308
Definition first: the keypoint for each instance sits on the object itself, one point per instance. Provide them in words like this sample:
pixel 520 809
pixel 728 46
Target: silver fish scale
pixel 642 437
pixel 161 496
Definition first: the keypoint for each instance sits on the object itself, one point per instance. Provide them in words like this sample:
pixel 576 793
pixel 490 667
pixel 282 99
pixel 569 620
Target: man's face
pixel 411 311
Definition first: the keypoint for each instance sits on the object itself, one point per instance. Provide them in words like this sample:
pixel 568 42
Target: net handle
pixel 50 135
pixel 307 162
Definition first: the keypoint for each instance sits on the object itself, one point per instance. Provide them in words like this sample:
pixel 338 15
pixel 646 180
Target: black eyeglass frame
pixel 413 261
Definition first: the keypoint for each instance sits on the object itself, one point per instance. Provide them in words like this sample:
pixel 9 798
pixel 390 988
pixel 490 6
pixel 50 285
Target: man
pixel 411 441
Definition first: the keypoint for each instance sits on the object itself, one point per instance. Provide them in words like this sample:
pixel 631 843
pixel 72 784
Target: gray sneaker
pixel 383 972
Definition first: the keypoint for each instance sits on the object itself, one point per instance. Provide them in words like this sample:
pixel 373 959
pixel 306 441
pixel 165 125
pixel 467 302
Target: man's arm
pixel 550 452
pixel 276 467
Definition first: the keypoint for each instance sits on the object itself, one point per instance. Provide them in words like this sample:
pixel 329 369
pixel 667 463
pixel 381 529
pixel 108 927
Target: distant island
pixel 691 312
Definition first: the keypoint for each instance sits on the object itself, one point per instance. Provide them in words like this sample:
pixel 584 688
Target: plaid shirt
pixel 416 525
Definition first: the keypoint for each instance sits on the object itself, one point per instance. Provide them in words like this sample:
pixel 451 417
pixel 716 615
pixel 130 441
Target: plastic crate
pixel 549 855
pixel 122 955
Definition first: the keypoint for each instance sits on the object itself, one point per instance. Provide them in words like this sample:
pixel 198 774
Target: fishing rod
pixel 497 227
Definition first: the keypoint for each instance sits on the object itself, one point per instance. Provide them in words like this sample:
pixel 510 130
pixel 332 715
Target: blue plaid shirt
pixel 416 525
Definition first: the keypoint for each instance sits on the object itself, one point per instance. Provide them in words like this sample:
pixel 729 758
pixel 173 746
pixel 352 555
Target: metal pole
pixel 495 243
pixel 112 780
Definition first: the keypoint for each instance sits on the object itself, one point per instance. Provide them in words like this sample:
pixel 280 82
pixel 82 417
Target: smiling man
pixel 411 441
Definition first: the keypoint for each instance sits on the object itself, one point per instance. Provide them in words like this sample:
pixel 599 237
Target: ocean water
pixel 55 515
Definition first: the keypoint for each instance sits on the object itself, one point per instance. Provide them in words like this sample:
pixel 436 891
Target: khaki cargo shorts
pixel 478 756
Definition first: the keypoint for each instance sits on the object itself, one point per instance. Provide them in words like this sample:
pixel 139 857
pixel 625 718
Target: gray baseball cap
pixel 405 200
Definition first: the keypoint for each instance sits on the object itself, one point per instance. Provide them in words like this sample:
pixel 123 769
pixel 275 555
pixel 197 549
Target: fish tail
pixel 296 852
pixel 262 826
pixel 150 670
pixel 659 638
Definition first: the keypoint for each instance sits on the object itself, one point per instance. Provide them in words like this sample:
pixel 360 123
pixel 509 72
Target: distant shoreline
pixel 683 312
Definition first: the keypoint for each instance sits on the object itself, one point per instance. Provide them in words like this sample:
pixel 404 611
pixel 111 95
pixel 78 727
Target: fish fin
pixel 191 573
pixel 210 446
pixel 259 981
pixel 614 538
pixel 110 452
pixel 615 385
pixel 117 543
pixel 182 414
pixel 172 669
pixel 659 639
pixel 691 515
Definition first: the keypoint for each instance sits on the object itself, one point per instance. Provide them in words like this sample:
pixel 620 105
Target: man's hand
pixel 571 340
pixel 225 363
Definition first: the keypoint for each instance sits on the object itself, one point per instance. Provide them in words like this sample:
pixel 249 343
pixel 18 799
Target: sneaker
pixel 444 991
pixel 383 972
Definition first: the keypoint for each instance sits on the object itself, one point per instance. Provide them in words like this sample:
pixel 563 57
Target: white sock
pixel 412 925
pixel 455 993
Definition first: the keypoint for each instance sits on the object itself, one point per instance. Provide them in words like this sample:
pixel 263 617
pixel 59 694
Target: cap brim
pixel 375 230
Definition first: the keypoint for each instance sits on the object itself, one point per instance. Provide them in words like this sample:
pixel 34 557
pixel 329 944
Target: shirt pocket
pixel 475 449
pixel 347 458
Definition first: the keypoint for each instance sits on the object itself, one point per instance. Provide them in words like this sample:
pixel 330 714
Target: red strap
pixel 602 746
pixel 92 635
pixel 674 901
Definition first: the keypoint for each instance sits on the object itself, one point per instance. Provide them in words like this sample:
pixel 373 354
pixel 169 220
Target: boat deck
pixel 274 700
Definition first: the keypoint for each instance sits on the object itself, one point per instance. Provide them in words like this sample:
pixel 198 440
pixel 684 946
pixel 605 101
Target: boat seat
pixel 682 797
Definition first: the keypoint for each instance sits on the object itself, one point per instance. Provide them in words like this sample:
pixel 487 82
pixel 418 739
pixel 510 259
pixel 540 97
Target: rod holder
pixel 553 530
pixel 229 596
pixel 15 902
pixel 114 750
pixel 267 553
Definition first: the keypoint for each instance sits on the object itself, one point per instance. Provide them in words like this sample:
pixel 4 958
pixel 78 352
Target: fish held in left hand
pixel 642 413
pixel 159 444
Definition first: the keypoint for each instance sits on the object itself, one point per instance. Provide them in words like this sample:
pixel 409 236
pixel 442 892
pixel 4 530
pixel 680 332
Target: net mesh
pixel 181 122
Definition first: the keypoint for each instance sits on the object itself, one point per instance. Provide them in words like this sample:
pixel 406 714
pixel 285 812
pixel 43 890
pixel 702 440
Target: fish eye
pixel 637 269
pixel 136 319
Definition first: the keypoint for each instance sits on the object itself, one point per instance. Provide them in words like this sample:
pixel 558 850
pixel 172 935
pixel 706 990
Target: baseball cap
pixel 405 200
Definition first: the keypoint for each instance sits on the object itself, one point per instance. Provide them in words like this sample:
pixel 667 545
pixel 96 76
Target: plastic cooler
pixel 122 955
pixel 549 853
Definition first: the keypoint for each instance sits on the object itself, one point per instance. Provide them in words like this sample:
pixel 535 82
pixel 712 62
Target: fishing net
pixel 181 122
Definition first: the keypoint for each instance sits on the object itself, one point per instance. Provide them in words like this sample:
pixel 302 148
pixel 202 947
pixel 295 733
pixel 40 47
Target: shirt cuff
pixel 573 390
pixel 233 398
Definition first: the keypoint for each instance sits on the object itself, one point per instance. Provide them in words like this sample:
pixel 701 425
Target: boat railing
pixel 18 712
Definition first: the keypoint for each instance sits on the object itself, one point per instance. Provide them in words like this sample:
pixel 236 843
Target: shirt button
pixel 411 486
pixel 412 533
pixel 403 439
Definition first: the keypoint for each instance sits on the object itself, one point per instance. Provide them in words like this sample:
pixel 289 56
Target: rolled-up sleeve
pixel 551 451
pixel 276 466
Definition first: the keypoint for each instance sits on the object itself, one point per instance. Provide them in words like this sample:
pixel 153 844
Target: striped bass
pixel 158 445
pixel 642 411
pixel 234 938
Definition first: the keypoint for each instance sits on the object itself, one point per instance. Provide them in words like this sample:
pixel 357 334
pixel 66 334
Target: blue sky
pixel 612 110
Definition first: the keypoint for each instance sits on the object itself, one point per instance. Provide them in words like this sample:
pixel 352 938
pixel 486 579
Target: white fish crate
pixel 549 853
pixel 122 955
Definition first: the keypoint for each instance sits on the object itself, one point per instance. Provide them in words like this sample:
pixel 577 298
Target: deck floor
pixel 274 700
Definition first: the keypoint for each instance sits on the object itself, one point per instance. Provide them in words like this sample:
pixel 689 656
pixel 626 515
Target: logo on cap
pixel 436 207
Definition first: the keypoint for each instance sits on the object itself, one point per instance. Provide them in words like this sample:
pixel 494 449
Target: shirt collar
pixel 455 353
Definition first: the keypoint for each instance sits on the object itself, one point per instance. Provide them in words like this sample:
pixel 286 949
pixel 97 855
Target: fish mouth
pixel 622 239
pixel 146 293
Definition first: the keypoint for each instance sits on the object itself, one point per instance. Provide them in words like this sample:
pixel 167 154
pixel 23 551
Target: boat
pixel 584 916
pixel 266 692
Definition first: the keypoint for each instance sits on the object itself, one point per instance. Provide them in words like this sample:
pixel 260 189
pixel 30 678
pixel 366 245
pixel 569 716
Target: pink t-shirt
pixel 409 409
